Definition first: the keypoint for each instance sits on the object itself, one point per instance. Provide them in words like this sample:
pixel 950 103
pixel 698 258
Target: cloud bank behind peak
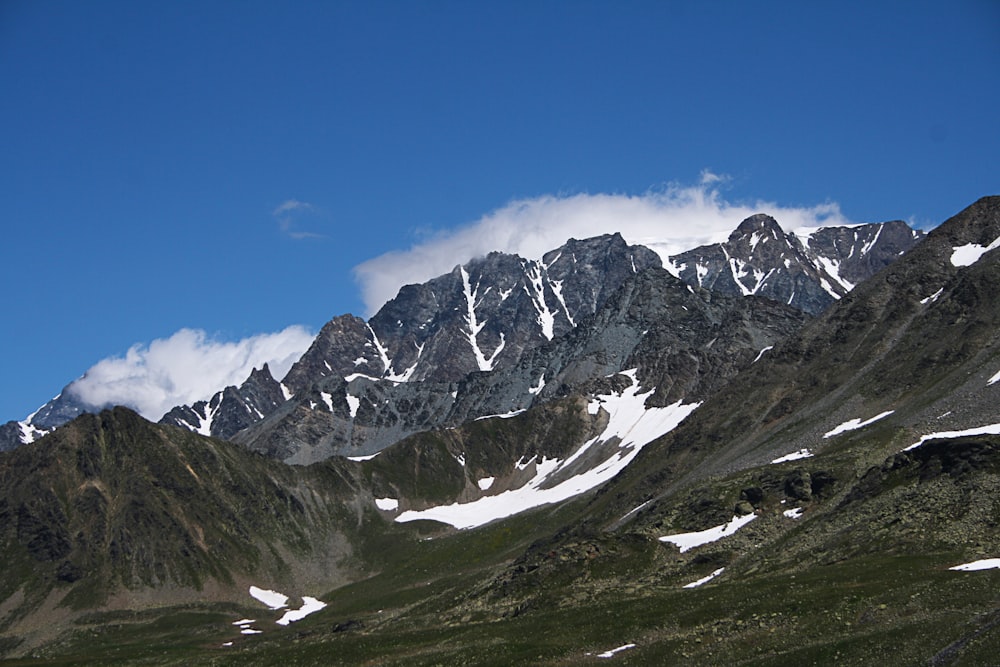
pixel 670 221
pixel 187 367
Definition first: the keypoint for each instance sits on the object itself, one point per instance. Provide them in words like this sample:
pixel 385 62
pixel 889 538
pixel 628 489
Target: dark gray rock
pixel 809 273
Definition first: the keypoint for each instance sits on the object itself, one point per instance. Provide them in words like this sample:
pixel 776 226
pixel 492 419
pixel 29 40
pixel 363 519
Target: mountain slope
pixel 232 409
pixel 112 511
pixel 685 343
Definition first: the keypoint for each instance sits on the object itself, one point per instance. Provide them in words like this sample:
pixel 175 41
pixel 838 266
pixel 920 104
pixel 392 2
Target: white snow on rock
pixel 359 459
pixel 994 379
pixel 611 653
pixel 629 421
pixel 353 403
pixel 272 599
pixel 486 482
pixel 985 564
pixel 309 606
pixel 854 424
pixel 932 297
pixel 475 326
pixel 30 432
pixel 328 399
pixel 969 254
pixel 387 504
pixel 794 456
pixel 989 429
pixel 686 541
pixel 761 353
pixel 506 415
pixel 795 513
pixel 704 580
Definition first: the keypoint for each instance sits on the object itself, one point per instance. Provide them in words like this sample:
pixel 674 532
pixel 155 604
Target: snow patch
pixel 30 432
pixel 272 599
pixel 353 403
pixel 359 459
pixel 832 269
pixel 546 318
pixel 687 541
pixel 854 424
pixel 994 379
pixel 354 376
pixel 795 513
pixel 387 504
pixel 989 429
pixel 475 326
pixel 506 415
pixel 932 297
pixel 761 353
pixel 309 606
pixel 794 456
pixel 485 483
pixel 328 399
pixel 985 564
pixel 969 254
pixel 629 421
pixel 705 580
pixel 611 653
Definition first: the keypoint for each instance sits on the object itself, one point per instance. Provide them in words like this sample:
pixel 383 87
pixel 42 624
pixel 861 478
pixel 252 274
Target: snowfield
pixel 985 564
pixel 989 429
pixel 630 421
pixel 687 541
pixel 969 254
pixel 854 424
pixel 705 580
pixel 272 599
pixel 794 456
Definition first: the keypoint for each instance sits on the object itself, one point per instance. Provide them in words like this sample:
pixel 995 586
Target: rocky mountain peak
pixel 758 223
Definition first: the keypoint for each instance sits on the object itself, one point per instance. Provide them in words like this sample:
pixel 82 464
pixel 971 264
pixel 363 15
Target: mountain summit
pixel 485 315
pixel 809 270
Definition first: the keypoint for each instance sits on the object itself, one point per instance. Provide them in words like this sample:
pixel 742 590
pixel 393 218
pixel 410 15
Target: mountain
pixel 808 272
pixel 699 478
pixel 232 409
pixel 113 511
pixel 683 343
pixel 430 332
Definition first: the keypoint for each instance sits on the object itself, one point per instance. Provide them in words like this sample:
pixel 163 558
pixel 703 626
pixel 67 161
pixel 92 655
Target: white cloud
pixel 188 366
pixel 670 221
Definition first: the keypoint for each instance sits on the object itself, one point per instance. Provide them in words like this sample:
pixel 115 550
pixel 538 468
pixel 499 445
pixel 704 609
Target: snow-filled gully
pixel 629 420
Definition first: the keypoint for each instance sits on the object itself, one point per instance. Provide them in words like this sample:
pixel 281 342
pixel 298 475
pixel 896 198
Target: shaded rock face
pixel 685 344
pixel 112 502
pixel 482 316
pixel 486 315
pixel 232 409
pixel 808 273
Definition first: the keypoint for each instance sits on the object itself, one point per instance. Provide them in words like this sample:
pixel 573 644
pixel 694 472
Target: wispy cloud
pixel 186 367
pixel 671 220
pixel 289 215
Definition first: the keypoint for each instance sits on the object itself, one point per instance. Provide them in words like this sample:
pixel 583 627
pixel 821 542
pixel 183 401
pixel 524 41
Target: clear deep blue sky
pixel 147 147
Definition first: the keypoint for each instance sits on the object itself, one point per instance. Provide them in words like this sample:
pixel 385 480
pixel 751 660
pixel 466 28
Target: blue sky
pixel 225 166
